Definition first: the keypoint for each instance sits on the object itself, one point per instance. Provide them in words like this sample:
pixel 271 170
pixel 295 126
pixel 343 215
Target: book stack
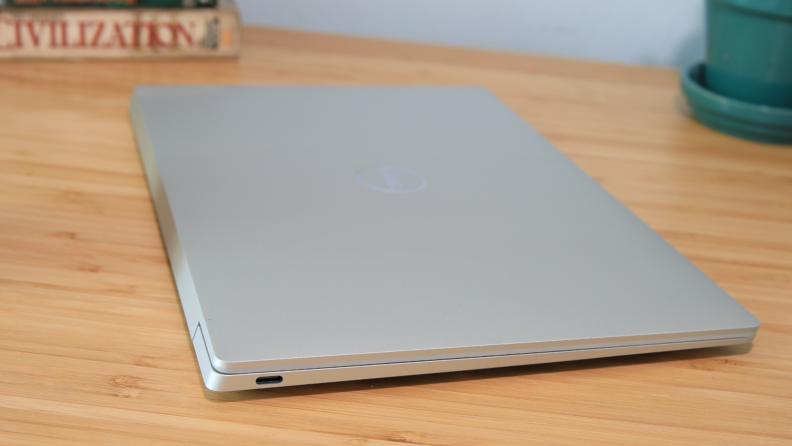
pixel 75 29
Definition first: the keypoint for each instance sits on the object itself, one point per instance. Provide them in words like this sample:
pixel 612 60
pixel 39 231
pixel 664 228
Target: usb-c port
pixel 264 380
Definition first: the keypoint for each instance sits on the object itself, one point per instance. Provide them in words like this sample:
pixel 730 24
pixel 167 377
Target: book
pixel 114 3
pixel 74 33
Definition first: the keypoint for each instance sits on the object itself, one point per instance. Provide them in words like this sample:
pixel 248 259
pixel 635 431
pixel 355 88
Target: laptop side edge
pixel 181 271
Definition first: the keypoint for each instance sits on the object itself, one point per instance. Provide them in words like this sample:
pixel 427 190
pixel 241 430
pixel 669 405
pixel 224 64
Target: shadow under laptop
pixel 696 358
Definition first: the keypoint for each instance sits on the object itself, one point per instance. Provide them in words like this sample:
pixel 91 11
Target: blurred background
pixel 647 32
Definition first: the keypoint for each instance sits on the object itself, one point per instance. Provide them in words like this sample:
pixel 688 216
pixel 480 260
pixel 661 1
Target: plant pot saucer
pixel 743 119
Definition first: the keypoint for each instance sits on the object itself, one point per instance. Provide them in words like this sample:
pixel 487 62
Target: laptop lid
pixel 315 227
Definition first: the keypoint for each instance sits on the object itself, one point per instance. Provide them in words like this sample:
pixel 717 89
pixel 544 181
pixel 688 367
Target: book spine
pixel 57 33
pixel 113 3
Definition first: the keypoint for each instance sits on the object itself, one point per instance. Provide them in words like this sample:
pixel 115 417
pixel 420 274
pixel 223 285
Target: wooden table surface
pixel 93 345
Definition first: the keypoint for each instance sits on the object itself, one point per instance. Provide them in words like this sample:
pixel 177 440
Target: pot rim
pixel 775 8
pixel 744 119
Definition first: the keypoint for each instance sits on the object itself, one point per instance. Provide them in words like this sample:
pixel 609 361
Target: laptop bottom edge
pixel 221 382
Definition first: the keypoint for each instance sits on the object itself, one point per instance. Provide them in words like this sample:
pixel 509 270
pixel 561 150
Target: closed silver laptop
pixel 323 234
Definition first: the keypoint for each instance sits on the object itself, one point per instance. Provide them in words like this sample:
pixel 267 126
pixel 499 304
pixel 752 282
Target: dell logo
pixel 391 179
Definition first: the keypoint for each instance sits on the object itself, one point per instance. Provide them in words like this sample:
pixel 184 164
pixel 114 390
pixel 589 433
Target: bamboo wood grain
pixel 94 350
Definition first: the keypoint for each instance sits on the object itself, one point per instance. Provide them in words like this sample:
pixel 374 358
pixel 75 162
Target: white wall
pixel 654 32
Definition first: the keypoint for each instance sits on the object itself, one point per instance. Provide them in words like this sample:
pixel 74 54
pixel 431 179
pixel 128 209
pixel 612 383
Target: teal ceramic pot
pixel 749 50
pixel 739 118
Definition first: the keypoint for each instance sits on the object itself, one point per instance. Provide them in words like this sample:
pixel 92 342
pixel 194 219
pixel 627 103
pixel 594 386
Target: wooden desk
pixel 94 350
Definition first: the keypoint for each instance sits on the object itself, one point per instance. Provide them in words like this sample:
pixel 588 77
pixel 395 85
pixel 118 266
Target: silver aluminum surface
pixel 345 227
